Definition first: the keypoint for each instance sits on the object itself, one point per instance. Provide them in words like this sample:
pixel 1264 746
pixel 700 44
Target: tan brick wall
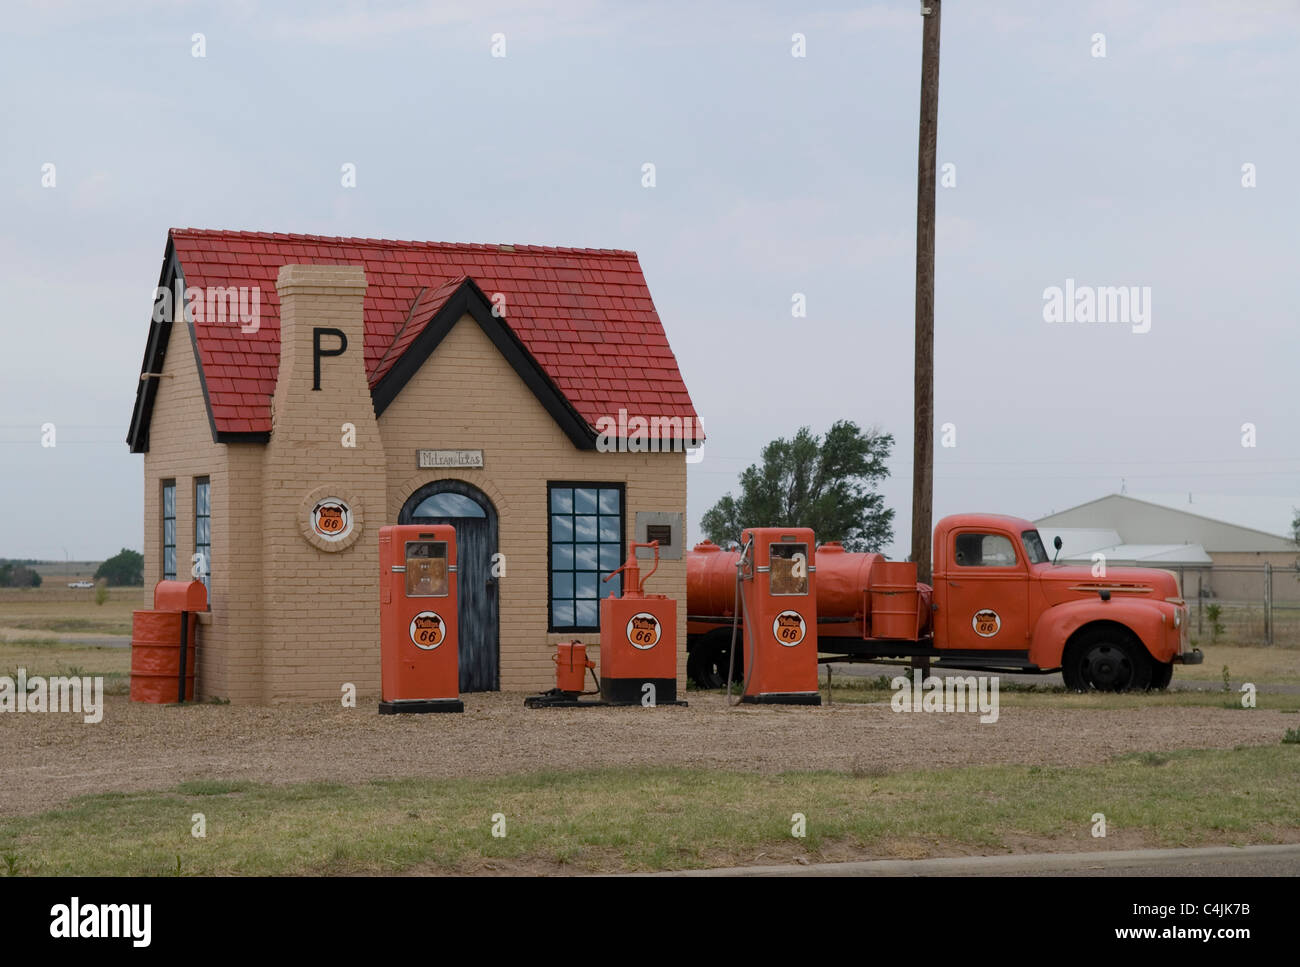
pixel 467 396
pixel 181 448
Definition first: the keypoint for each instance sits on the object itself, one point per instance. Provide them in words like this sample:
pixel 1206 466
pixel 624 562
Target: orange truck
pixel 999 603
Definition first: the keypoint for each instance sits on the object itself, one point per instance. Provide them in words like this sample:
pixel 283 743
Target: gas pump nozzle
pixel 633 582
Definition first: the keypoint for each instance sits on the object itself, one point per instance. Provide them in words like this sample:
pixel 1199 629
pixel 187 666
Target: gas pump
pixel 638 640
pixel 419 640
pixel 779 601
pixel 638 649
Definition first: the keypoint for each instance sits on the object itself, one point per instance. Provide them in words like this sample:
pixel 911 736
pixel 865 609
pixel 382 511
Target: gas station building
pixel 319 388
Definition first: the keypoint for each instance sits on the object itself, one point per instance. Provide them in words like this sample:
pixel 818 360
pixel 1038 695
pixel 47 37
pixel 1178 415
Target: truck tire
pixel 1162 673
pixel 1072 671
pixel 1108 660
pixel 707 664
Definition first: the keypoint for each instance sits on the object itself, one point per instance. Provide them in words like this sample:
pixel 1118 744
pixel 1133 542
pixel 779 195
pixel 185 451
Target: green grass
pixel 658 818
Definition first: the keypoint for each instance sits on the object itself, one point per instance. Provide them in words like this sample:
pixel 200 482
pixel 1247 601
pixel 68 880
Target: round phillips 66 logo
pixel 332 519
pixel 986 623
pixel 428 630
pixel 643 631
pixel 789 628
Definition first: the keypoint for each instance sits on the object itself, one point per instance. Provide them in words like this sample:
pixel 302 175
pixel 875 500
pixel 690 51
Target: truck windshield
pixel 1034 549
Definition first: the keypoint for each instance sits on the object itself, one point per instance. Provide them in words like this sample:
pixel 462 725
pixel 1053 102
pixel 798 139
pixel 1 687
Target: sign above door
pixel 429 459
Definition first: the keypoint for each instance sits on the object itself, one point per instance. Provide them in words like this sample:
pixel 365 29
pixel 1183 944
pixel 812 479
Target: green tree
pixel 123 568
pixel 15 574
pixel 826 483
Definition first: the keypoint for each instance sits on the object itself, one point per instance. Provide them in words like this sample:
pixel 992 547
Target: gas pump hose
pixel 737 606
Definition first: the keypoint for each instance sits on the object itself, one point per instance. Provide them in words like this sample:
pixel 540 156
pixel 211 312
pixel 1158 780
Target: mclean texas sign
pixel 448 458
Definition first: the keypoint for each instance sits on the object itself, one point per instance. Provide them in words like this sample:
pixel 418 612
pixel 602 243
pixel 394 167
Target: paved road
pixel 1202 861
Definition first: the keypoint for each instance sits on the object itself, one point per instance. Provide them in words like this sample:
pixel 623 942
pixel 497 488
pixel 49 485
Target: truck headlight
pixel 1179 607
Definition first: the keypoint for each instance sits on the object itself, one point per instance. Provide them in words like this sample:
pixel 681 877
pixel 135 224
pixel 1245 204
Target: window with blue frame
pixel 203 529
pixel 169 530
pixel 586 544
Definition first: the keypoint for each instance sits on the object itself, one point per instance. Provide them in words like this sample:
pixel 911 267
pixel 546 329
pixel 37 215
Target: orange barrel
pixel 156 656
pixel 893 600
pixel 571 666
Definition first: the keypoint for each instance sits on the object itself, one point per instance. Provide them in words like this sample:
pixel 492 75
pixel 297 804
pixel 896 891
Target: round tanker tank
pixel 842 576
pixel 711 580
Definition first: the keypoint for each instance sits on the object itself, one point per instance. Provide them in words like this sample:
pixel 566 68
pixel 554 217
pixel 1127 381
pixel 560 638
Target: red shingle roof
pixel 585 315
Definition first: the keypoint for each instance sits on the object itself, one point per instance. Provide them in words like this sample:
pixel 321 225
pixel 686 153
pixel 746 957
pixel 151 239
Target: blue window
pixel 169 530
pixel 586 527
pixel 203 531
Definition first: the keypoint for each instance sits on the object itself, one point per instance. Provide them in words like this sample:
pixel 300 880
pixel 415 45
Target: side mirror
pixel 1056 542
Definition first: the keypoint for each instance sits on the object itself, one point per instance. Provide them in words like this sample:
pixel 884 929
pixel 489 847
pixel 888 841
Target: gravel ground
pixel 47 759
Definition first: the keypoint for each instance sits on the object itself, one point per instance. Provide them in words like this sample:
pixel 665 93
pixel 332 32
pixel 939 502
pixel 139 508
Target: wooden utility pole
pixel 926 164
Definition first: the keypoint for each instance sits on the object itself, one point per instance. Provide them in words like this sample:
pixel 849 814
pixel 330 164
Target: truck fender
pixel 1057 625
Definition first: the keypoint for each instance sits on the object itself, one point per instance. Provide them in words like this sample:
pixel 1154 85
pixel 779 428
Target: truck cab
pixel 1000 600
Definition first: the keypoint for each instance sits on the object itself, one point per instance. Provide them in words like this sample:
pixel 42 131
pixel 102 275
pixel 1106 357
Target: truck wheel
pixel 707 665
pixel 1162 673
pixel 1072 671
pixel 1107 660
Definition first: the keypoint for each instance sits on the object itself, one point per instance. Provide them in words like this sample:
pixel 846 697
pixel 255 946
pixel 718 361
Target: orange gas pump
pixel 638 640
pixel 419 640
pixel 638 649
pixel 779 599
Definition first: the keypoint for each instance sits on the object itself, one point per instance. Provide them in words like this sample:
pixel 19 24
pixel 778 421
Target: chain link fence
pixel 1248 604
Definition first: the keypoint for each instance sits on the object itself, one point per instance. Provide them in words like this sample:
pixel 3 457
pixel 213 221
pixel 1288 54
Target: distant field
pixel 51 571
pixel 56 602
pixel 62 609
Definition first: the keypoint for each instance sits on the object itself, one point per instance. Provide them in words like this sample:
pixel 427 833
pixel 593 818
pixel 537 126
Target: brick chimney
pixel 321 588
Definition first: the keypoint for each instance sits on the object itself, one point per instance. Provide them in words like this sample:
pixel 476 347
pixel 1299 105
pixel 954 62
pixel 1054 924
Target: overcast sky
pixel 775 175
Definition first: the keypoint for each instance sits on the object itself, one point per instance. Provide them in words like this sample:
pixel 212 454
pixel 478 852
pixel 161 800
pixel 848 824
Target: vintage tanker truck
pixel 998 604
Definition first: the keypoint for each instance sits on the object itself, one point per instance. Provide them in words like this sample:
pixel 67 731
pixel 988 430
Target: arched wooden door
pixel 468 510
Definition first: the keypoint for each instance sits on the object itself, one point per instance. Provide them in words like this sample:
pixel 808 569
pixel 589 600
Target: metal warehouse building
pixel 317 388
pixel 1221 546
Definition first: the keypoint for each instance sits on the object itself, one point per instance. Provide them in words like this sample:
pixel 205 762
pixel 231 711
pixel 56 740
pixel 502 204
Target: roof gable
pixel 420 338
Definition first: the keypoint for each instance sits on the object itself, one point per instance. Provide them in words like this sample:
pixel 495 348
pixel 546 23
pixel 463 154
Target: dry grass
pixel 50 613
pixel 1258 664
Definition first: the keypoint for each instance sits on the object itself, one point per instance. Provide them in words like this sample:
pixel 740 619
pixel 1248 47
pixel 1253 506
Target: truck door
pixel 987 583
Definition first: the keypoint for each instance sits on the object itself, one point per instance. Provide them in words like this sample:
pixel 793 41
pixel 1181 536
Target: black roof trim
pixel 155 352
pixel 155 355
pixel 469 298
